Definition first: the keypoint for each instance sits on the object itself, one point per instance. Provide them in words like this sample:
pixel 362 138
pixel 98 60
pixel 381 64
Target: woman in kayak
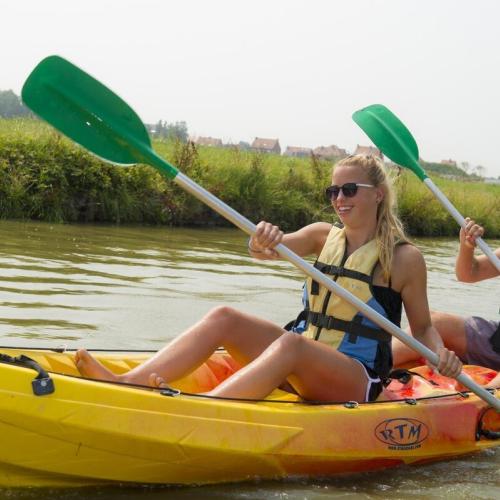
pixel 342 355
pixel 475 340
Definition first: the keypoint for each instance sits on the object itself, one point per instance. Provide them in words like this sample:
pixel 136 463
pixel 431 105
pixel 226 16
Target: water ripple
pixel 113 287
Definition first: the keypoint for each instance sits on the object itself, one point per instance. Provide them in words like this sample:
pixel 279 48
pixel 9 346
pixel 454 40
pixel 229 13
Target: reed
pixel 46 177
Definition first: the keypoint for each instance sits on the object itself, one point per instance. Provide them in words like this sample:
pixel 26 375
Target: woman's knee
pixel 290 344
pixel 222 314
pixel 227 320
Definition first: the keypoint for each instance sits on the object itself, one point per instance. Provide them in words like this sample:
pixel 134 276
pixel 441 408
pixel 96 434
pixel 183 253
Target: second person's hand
pixel 470 233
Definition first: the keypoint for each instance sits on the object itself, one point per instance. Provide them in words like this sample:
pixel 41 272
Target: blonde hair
pixel 389 230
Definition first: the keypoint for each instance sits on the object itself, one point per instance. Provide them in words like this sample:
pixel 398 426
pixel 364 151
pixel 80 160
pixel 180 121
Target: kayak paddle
pixel 96 118
pixel 391 136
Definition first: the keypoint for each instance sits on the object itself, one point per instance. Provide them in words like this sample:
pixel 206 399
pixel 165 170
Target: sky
pixel 289 69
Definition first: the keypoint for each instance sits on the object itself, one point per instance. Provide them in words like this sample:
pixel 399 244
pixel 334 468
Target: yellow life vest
pixel 331 318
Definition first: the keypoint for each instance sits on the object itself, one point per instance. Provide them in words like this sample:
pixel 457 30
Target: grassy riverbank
pixel 45 177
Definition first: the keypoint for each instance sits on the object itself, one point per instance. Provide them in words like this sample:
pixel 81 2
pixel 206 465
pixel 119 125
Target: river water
pixel 138 287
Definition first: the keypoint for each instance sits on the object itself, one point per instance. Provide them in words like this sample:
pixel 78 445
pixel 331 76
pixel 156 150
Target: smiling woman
pixel 342 354
pixel 56 84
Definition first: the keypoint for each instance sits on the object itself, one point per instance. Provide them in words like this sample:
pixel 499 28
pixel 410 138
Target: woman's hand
pixel 470 233
pixel 266 237
pixel 449 363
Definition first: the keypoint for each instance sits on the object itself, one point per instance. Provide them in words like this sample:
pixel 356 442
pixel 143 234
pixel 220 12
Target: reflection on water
pixel 138 287
pixel 128 287
pixel 115 287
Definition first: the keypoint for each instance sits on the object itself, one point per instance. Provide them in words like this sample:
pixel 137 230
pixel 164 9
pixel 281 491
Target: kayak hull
pixel 89 432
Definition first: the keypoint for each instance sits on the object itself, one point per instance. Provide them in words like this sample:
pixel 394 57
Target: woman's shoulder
pixel 407 254
pixel 318 229
pixel 408 265
pixel 317 234
pixel 321 226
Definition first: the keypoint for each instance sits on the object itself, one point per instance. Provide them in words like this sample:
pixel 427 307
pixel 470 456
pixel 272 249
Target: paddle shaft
pixel 248 227
pixel 461 221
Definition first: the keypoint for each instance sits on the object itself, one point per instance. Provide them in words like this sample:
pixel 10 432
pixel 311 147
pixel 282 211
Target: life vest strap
pixel 338 272
pixel 351 327
pixel 341 271
pixel 42 384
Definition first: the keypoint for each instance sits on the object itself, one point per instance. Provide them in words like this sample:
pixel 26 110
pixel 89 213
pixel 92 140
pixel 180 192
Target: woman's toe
pixel 156 381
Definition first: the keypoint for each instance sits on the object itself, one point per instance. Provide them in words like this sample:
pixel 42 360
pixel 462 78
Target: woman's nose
pixel 341 196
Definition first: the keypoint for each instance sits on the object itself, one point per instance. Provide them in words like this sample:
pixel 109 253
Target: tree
pixel 480 171
pixel 177 131
pixel 465 166
pixel 11 105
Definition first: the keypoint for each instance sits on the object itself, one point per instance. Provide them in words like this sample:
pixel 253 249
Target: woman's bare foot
pixel 89 367
pixel 155 380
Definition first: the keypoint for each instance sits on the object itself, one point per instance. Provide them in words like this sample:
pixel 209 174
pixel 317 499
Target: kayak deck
pixel 90 432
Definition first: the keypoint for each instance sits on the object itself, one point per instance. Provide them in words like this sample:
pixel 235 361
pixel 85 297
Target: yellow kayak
pixel 59 429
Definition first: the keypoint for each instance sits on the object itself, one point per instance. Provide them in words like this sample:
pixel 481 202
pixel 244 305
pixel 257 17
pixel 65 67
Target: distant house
pixel 208 141
pixel 297 152
pixel 450 162
pixel 368 151
pixel 330 152
pixel 266 145
pixel 240 146
pixel 492 180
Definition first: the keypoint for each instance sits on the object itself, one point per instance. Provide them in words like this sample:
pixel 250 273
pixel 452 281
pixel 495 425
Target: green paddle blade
pixel 390 135
pixel 89 113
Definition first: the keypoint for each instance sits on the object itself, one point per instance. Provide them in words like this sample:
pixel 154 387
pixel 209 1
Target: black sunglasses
pixel 349 189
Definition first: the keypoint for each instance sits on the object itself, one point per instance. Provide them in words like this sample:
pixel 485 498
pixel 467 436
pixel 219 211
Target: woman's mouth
pixel 344 209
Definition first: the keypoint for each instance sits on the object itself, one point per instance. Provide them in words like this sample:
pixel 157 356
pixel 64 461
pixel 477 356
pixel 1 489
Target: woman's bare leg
pixel 315 370
pixel 452 330
pixel 244 336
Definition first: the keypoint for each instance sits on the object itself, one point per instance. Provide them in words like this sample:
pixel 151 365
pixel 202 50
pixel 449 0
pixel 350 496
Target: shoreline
pixel 45 177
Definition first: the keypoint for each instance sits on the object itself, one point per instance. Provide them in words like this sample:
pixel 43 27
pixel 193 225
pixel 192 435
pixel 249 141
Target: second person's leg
pixel 451 328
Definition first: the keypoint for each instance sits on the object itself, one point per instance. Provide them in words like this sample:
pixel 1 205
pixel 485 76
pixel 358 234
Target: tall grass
pixel 423 215
pixel 44 176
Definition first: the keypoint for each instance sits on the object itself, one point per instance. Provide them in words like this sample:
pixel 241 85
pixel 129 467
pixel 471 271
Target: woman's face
pixel 362 207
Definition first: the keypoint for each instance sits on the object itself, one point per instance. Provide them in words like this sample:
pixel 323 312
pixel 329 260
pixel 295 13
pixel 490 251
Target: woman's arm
pixel 410 270
pixel 469 268
pixel 306 241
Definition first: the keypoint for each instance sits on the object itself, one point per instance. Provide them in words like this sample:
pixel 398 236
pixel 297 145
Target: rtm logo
pixel 402 433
